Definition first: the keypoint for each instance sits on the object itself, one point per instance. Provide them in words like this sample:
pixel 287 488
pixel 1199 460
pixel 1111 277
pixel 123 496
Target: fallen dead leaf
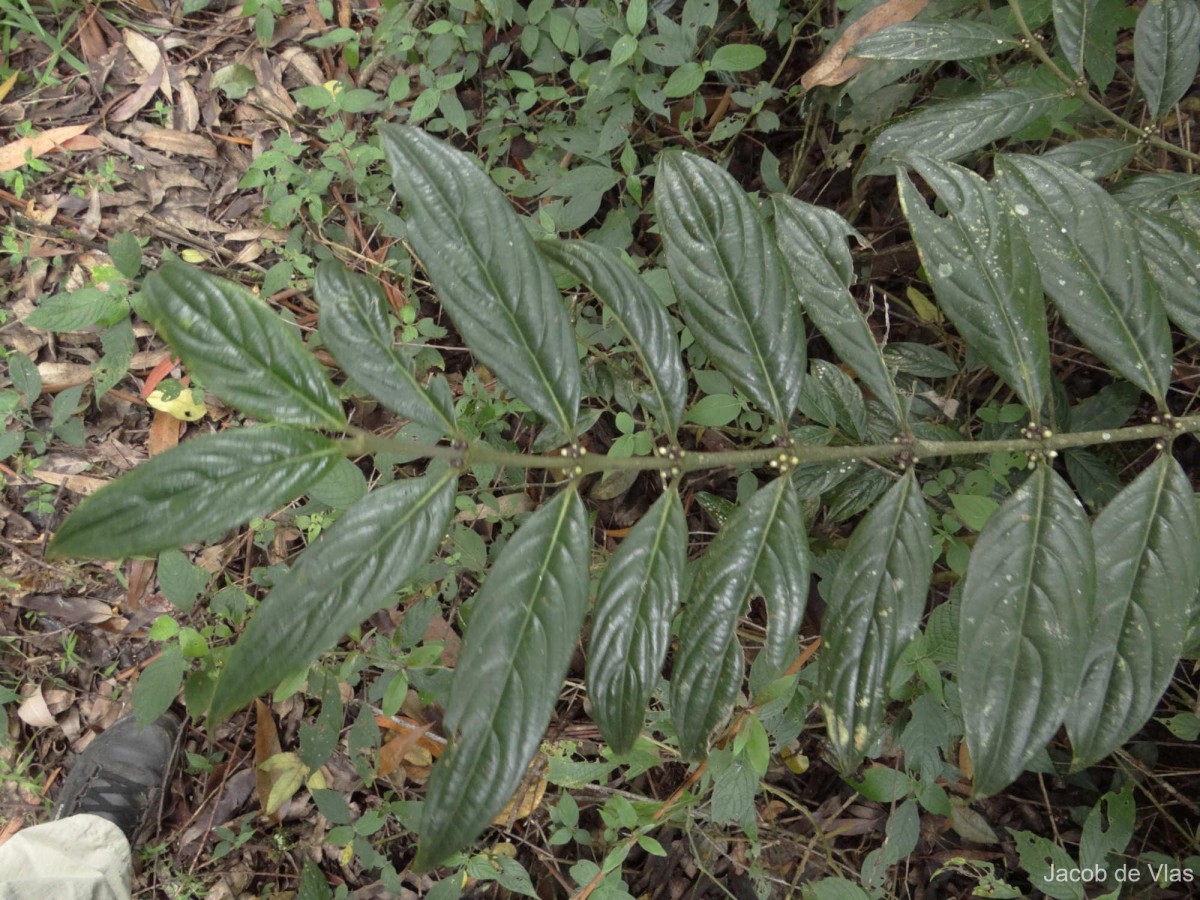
pixel 12 155
pixel 171 141
pixel 833 67
pixel 58 376
pixel 79 484
pixel 164 433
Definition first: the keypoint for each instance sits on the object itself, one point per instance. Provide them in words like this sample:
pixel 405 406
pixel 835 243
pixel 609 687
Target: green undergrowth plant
pixel 1054 617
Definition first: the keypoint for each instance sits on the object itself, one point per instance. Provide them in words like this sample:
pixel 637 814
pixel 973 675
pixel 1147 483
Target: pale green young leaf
pixel 1172 252
pixel 1166 52
pixel 638 595
pixel 1023 630
pixel 640 316
pixel 738 58
pixel 953 129
pixel 488 275
pixel 1091 266
pixel 983 273
pixel 733 291
pixel 1148 559
pixel 355 328
pixel 873 609
pixel 524 625
pixel 239 348
pixel 942 41
pixel 812 240
pixel 195 491
pixel 352 571
pixel 762 546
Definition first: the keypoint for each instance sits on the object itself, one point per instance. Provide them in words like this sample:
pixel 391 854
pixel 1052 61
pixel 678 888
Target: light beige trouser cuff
pixel 80 857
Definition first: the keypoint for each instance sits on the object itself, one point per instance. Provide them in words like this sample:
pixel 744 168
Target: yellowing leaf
pixel 285 774
pixel 187 405
pixel 192 256
pixel 923 306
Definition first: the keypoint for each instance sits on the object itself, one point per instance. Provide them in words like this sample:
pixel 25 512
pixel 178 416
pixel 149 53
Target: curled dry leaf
pixel 12 155
pixel 833 67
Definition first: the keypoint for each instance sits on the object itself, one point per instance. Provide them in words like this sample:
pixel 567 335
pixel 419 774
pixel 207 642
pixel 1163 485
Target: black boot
pixel 123 774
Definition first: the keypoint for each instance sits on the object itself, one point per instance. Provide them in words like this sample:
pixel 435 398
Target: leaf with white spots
pixel 1092 267
pixel 1148 559
pixel 984 274
pixel 1023 633
pixel 1172 252
pixel 1166 52
pixel 874 607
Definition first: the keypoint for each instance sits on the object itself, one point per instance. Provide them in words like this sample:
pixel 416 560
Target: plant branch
pixel 1079 90
pixel 576 461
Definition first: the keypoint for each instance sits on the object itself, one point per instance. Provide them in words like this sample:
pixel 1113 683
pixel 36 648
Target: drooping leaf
pixel 813 242
pixel 637 598
pixel 1172 253
pixel 983 273
pixel 1166 52
pixel 1086 33
pixel 640 316
pixel 874 607
pixel 242 351
pixel 762 545
pixel 195 491
pixel 488 275
pixel 732 289
pixel 1148 560
pixel 1023 629
pixel 1155 190
pixel 1091 266
pixel 958 39
pixel 953 129
pixel 355 328
pixel 524 625
pixel 352 571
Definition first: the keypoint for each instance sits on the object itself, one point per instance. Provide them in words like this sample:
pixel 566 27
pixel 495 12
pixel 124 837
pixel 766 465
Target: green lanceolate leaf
pixel 488 275
pixel 239 349
pixel 1091 266
pixel 637 598
pixel 1023 633
pixel 195 491
pixel 1172 252
pixel 958 39
pixel 956 128
pixel 1086 36
pixel 983 273
pixel 813 242
pixel 640 316
pixel 523 628
pixel 350 573
pixel 761 545
pixel 1093 157
pixel 355 328
pixel 874 608
pixel 732 288
pixel 1166 52
pixel 1148 561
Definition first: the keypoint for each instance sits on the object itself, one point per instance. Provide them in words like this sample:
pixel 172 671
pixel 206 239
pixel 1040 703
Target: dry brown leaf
pixel 171 141
pixel 833 67
pixel 78 484
pixel 72 610
pixel 164 433
pixel 527 797
pixel 58 376
pixel 131 105
pixel 150 58
pixel 393 753
pixel 266 745
pixel 12 155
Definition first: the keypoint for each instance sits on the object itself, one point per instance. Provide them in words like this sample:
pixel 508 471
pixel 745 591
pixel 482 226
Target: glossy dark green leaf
pixel 239 348
pixel 495 285
pixel 195 491
pixel 1086 33
pixel 732 288
pixel 640 316
pixel 762 546
pixel 1093 157
pixel 957 39
pixel 1023 629
pixel 524 625
pixel 1166 52
pixel 1092 267
pixel 1172 252
pixel 984 274
pixel 953 129
pixel 638 595
pixel 1156 190
pixel 873 609
pixel 355 328
pixel 352 571
pixel 1148 561
pixel 813 242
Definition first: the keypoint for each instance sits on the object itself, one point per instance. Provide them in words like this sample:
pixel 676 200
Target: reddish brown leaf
pixel 833 67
